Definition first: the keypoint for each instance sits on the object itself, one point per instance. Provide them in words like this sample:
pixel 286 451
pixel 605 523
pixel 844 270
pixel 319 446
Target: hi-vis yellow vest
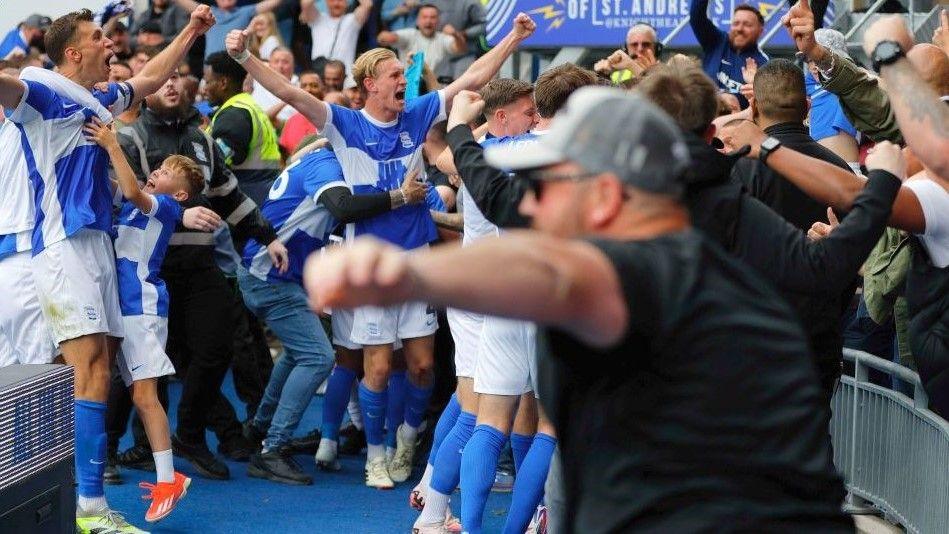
pixel 264 151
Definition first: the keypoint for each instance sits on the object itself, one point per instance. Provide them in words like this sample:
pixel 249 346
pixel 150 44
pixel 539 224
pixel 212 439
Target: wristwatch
pixel 885 53
pixel 768 146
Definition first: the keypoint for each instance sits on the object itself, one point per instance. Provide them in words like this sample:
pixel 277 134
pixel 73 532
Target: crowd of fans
pixel 661 258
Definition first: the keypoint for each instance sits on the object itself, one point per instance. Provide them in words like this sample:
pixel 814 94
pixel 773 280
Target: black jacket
pixel 810 275
pixel 781 195
pixel 151 139
pixel 493 191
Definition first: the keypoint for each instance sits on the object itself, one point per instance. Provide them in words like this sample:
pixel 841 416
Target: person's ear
pixel 181 196
pixel 500 116
pixel 754 110
pixel 607 200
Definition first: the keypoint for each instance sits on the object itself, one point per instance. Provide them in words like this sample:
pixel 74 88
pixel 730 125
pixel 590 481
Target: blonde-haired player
pixel 376 147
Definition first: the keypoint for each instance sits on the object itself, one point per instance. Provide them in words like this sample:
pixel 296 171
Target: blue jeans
pixel 307 359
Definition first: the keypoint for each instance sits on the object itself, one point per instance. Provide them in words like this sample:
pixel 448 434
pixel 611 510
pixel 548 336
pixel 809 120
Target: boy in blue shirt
pixel 147 218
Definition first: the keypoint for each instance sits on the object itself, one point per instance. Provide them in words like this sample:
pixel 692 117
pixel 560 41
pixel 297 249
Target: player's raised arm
pixel 311 107
pixel 157 71
pixel 487 66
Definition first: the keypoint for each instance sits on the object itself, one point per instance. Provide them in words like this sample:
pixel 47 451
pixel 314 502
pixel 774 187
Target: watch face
pixel 769 143
pixel 886 50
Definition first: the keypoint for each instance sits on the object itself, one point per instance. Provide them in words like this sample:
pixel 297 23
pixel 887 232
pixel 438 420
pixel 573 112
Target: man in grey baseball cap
pixel 647 333
pixel 29 33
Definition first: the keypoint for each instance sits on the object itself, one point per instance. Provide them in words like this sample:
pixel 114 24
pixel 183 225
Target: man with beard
pixel 200 318
pixel 27 34
pixel 724 54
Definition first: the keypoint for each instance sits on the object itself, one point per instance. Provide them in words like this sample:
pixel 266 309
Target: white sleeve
pixel 934 201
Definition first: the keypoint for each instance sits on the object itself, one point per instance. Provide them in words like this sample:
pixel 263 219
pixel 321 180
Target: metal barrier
pixel 892 451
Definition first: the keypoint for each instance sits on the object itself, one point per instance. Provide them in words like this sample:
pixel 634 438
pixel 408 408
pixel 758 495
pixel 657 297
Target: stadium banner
pixel 603 23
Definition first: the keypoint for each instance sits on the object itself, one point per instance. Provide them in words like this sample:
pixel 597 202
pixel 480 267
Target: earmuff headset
pixel 657 48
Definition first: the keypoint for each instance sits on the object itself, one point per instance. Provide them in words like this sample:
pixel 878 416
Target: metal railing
pixel 892 451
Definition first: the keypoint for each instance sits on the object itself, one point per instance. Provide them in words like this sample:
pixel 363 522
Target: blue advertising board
pixel 603 23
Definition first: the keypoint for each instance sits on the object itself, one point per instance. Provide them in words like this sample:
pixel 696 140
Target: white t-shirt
pixel 267 100
pixel 268 46
pixel 437 48
pixel 335 38
pixel 934 200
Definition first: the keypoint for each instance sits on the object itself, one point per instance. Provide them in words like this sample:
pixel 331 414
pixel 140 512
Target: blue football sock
pixel 529 484
pixel 335 400
pixel 478 465
pixel 373 405
pixel 445 423
pixel 90 446
pixel 416 403
pixel 448 460
pixel 520 444
pixel 395 406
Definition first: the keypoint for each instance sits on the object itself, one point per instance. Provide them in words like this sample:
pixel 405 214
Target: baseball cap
pixel 832 40
pixel 38 21
pixel 604 129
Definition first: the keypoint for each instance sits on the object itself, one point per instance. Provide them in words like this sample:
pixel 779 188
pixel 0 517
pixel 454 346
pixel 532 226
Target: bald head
pixel 933 66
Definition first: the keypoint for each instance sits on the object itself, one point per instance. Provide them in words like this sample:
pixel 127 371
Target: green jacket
pixel 884 276
pixel 864 102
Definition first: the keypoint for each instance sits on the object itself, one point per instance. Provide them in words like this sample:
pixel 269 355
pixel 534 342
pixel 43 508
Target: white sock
pixel 92 505
pixel 408 433
pixel 164 465
pixel 435 505
pixel 426 478
pixel 355 415
pixel 375 451
pixel 325 442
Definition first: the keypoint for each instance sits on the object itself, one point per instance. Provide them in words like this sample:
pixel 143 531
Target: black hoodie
pixel 810 275
pixel 152 138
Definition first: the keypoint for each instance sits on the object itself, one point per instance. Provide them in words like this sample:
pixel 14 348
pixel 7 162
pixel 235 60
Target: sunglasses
pixel 534 180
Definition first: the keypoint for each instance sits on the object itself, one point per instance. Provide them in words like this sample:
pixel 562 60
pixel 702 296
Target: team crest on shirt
pixel 406 140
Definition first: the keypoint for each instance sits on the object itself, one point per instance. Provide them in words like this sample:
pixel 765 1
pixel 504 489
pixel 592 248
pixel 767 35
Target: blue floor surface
pixel 335 503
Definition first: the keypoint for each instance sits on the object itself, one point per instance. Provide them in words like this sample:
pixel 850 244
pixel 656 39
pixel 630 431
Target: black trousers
pixel 200 343
pixel 251 367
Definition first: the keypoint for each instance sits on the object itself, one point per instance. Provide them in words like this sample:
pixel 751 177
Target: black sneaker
pixel 111 475
pixel 137 457
pixel 278 466
pixel 201 458
pixel 253 434
pixel 306 444
pixel 352 441
pixel 237 448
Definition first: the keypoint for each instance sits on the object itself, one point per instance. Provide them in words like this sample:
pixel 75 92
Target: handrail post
pixel 866 16
pixel 675 31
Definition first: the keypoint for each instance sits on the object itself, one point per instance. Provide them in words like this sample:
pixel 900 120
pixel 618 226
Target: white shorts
pixel 466 330
pixel 504 361
pixel 142 353
pixel 77 286
pixel 342 321
pixel 21 320
pixel 373 325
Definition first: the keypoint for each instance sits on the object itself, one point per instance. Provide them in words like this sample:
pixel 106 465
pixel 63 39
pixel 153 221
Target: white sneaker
pixel 430 528
pixel 538 524
pixel 401 466
pixel 326 458
pixel 377 475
